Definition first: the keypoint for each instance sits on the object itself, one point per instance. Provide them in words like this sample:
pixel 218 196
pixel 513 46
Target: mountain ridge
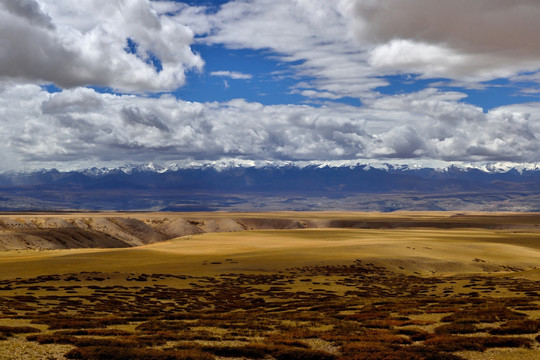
pixel 289 187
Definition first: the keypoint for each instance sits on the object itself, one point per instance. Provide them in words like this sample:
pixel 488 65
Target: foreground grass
pixel 296 294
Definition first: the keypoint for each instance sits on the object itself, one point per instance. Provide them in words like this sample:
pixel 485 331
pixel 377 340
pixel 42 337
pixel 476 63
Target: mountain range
pixel 273 187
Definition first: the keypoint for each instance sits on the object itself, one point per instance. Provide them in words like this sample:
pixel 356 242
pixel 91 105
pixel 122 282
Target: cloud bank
pixel 89 44
pixel 339 49
pixel 474 40
pixel 80 127
pixel 346 46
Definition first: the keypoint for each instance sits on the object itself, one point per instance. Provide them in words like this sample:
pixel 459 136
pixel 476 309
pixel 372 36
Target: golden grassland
pixel 466 288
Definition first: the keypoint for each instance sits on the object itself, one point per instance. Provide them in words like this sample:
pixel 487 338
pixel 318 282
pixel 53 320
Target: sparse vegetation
pixel 346 309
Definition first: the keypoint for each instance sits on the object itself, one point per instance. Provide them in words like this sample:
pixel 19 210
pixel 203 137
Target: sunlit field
pixel 465 288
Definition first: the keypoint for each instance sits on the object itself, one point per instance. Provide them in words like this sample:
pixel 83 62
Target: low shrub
pixel 456 328
pixel 51 339
pixel 120 353
pixel 486 314
pixel 301 354
pixel 375 351
pixel 506 341
pixel 364 316
pixel 8 330
pixel 456 343
pixel 278 340
pixel 110 320
pixel 94 332
pixel 300 333
pixel 120 342
pixel 517 327
pixel 250 351
pixel 475 343
pixel 57 324
pixel 160 325
pixel 416 334
pixel 108 342
pixel 385 337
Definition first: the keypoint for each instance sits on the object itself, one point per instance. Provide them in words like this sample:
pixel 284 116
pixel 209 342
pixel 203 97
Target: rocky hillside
pixel 114 230
pixel 102 231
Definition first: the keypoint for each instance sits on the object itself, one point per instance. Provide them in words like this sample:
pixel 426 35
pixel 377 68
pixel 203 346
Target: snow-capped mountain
pixel 218 185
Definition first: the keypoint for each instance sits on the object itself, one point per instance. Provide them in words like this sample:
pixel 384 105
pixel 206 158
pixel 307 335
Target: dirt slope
pixel 114 230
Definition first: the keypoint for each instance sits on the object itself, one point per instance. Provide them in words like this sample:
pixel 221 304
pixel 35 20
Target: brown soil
pixel 113 230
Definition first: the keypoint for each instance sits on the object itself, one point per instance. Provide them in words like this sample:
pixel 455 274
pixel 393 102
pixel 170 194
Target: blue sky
pixel 264 85
pixel 137 81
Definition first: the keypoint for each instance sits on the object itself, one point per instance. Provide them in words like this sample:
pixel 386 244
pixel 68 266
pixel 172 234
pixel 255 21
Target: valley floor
pixel 455 286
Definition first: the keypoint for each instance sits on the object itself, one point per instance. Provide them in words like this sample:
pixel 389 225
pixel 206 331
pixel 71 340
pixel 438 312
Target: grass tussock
pixel 485 314
pixel 8 331
pixel 516 327
pixel 452 343
pixel 121 353
pixel 377 351
pixel 456 328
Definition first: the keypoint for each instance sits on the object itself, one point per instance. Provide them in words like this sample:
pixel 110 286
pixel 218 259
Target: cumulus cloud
pixel 125 45
pixel 232 74
pixel 460 39
pixel 81 127
pixel 345 46
pixel 335 49
pixel 29 10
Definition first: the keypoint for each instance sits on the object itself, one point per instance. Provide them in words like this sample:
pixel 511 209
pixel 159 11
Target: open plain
pixel 287 285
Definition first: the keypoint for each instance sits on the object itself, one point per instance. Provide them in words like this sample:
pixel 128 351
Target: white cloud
pixel 72 44
pixel 345 46
pixel 232 74
pixel 413 57
pixel 81 127
pixel 342 47
pixel 318 94
pixel 460 39
pixel 317 35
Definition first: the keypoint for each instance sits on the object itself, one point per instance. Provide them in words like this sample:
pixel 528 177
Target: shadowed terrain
pixel 116 229
pixel 273 188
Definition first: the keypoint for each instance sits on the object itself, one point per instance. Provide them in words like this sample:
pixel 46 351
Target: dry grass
pixel 458 293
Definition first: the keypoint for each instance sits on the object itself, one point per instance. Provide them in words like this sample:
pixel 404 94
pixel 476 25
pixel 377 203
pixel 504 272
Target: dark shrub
pixel 119 353
pixel 18 330
pixel 110 320
pixel 94 332
pixel 416 334
pixel 517 327
pixel 456 343
pixel 377 351
pixel 158 325
pixel 488 313
pixel 251 351
pixel 456 328
pixel 57 324
pixel 302 354
pixel 506 341
pixel 52 339
pixel 107 342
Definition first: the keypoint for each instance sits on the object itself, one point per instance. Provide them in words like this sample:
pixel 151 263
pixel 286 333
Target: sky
pixel 105 83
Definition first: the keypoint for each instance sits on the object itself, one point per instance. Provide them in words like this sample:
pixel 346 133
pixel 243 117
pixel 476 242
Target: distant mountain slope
pixel 272 188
